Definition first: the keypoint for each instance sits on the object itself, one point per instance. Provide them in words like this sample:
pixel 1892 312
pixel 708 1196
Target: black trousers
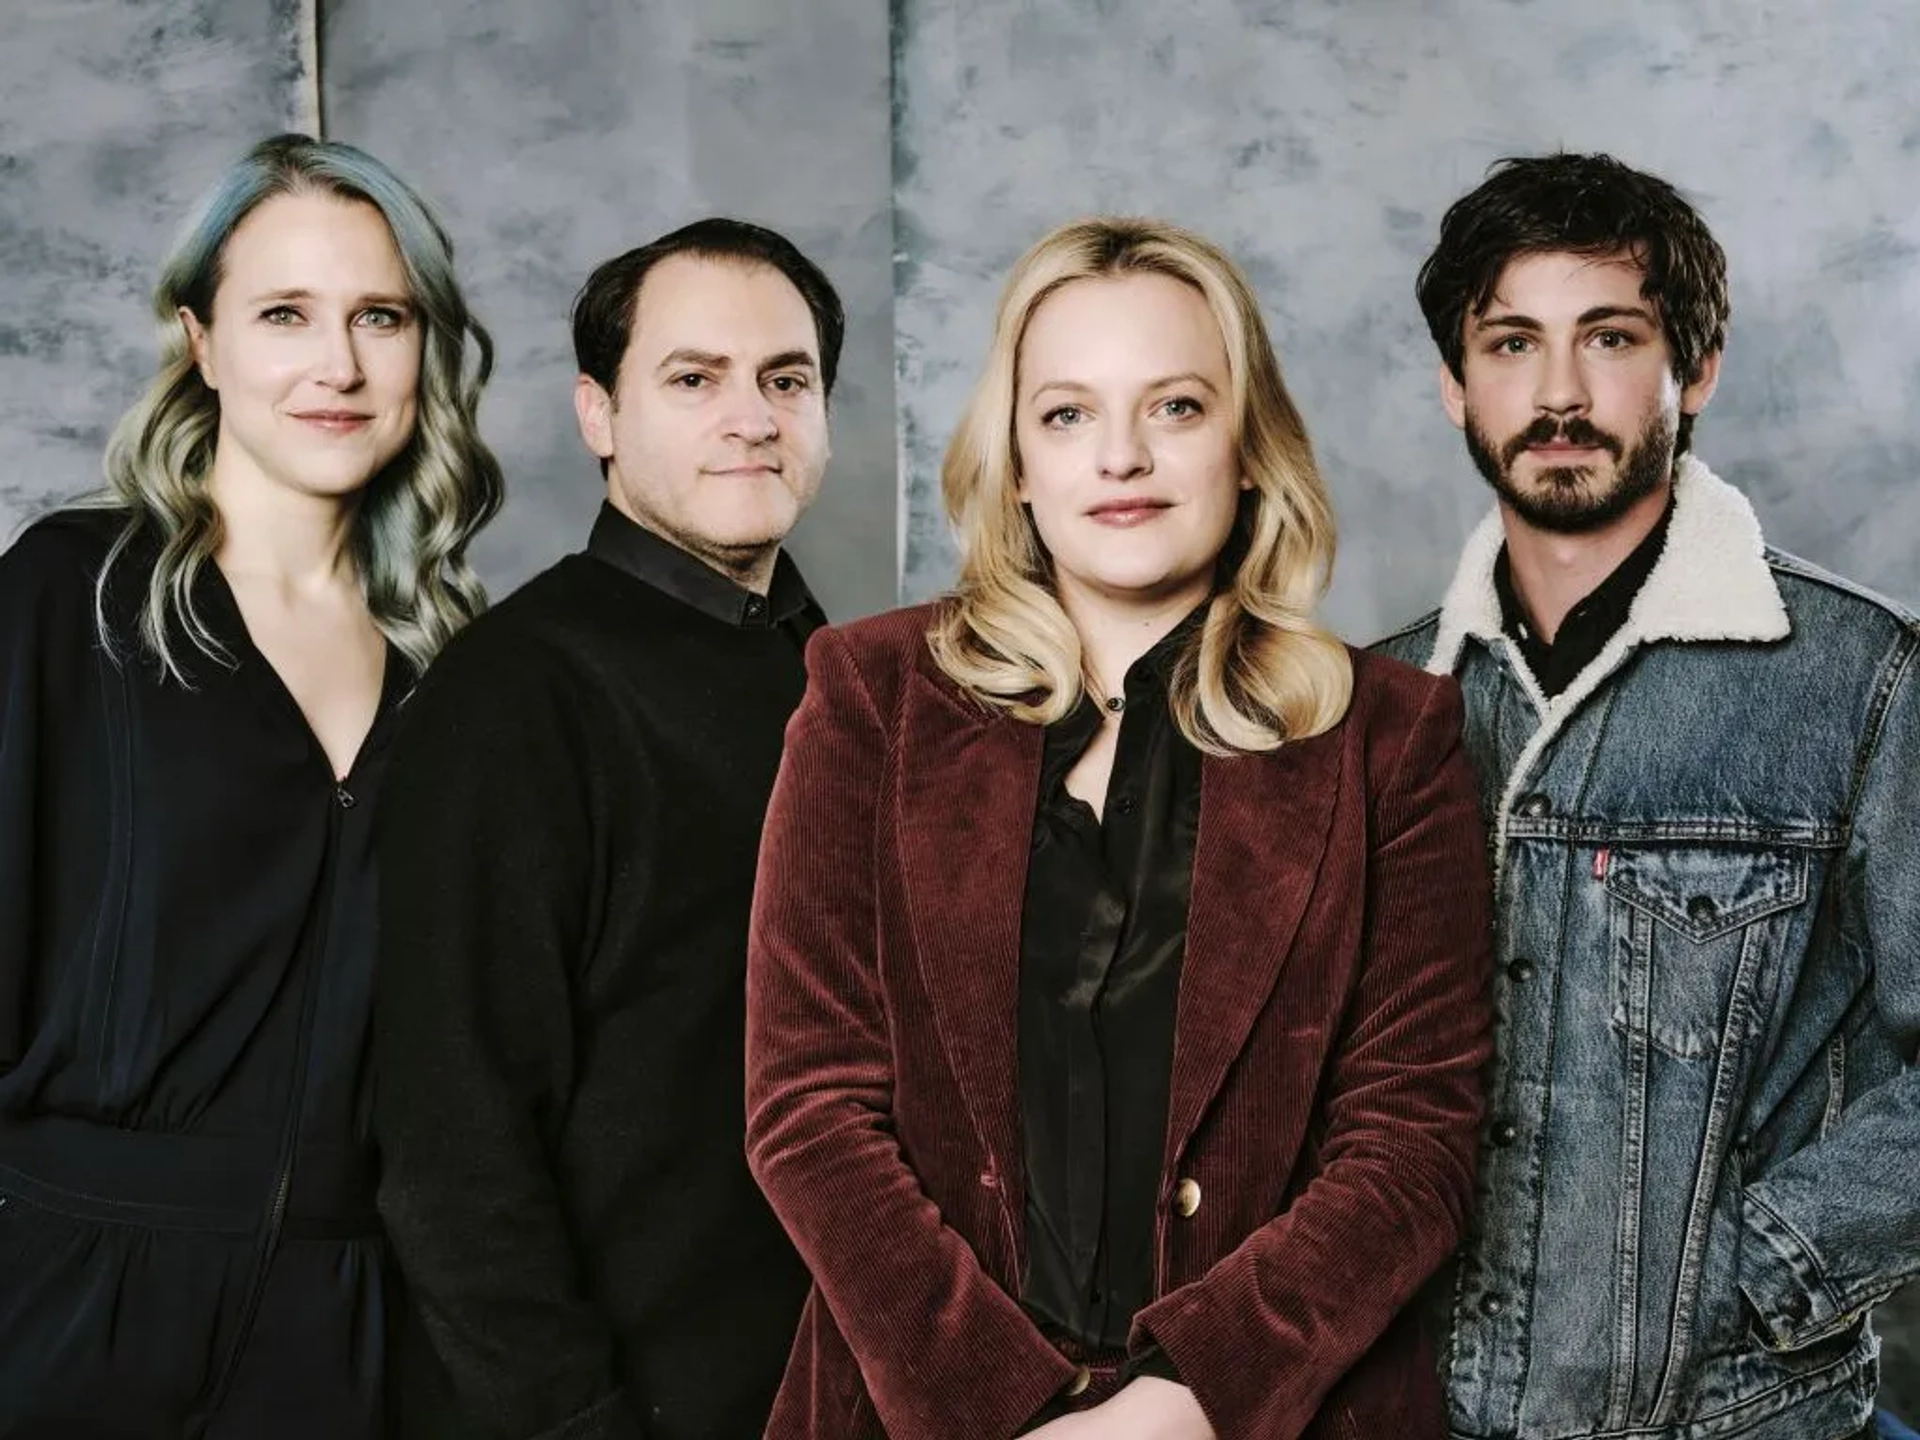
pixel 138 1299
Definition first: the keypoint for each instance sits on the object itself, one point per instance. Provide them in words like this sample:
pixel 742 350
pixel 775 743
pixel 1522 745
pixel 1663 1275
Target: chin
pixel 760 525
pixel 335 486
pixel 1141 582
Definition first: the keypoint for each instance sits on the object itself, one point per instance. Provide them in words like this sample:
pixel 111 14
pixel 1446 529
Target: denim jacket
pixel 1701 1164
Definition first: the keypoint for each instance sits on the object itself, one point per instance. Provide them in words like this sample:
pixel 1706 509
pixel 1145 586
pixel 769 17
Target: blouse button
pixel 1186 1198
pixel 1082 1378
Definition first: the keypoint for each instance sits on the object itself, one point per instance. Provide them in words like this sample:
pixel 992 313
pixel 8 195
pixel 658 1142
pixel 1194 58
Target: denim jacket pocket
pixel 1691 923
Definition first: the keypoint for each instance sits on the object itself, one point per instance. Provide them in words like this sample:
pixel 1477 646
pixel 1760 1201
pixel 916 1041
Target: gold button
pixel 1186 1198
pixel 1082 1378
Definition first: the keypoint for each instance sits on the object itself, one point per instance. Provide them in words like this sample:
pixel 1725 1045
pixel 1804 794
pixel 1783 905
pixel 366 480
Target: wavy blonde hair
pixel 415 518
pixel 1260 671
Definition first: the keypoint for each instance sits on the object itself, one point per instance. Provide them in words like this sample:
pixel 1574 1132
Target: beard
pixel 1574 499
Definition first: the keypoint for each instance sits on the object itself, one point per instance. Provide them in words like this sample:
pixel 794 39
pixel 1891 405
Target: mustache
pixel 1546 430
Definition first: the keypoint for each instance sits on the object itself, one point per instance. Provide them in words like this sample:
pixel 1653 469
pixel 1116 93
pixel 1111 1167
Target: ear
pixel 198 347
pixel 593 407
pixel 1694 397
pixel 1453 396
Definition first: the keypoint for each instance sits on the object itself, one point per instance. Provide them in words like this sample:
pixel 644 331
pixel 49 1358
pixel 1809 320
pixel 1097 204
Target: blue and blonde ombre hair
pixel 414 519
pixel 1260 670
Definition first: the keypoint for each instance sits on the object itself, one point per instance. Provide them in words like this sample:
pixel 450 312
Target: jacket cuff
pixel 1154 1363
pixel 1208 1331
pixel 610 1418
pixel 1781 1278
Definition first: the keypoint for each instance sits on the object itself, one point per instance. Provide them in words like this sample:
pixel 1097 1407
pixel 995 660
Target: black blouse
pixel 1102 936
pixel 184 886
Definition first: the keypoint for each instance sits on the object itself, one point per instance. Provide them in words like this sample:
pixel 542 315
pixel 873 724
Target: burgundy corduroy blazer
pixel 1332 1021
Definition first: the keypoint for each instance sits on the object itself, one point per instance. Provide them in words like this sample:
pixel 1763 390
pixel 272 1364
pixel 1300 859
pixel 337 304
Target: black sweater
pixel 567 852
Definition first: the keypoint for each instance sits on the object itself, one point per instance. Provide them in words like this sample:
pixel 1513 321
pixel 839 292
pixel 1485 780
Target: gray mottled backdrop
pixel 556 135
pixel 113 117
pixel 1318 140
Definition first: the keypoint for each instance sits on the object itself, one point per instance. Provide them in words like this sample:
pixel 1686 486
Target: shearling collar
pixel 1712 582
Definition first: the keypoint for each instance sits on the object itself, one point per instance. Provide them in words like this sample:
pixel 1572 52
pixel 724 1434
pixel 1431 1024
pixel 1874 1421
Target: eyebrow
pixel 1074 387
pixel 377 298
pixel 1587 317
pixel 785 360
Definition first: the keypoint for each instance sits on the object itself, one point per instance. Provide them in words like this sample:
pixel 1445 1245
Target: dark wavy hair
pixel 1583 205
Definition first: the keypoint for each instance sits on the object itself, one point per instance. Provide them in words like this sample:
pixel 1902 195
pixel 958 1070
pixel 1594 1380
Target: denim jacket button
pixel 1797 1308
pixel 1505 1133
pixel 1521 971
pixel 1536 807
pixel 1492 1306
pixel 1701 910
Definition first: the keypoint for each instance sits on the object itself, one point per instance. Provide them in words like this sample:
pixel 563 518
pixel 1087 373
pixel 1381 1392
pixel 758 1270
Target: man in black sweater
pixel 567 849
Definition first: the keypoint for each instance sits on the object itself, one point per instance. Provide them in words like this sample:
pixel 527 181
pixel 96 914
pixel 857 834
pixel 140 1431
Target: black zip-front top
pixel 186 931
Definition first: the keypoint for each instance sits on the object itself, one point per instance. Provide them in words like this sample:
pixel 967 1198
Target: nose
pixel 1123 451
pixel 1561 385
pixel 750 416
pixel 337 361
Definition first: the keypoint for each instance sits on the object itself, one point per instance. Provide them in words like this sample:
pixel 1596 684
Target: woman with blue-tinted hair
pixel 199 672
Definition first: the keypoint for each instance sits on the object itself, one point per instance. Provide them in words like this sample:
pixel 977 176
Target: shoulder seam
pixel 1432 617
pixel 1784 564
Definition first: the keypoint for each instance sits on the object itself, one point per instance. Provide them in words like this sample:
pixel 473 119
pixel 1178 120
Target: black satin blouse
pixel 1102 936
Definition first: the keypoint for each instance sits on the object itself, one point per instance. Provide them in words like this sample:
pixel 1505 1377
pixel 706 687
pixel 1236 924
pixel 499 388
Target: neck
pixel 1553 572
pixel 1114 634
pixel 749 567
pixel 273 534
pixel 758 576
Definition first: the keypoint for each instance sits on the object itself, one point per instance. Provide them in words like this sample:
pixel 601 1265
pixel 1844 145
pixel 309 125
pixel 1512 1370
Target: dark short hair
pixel 1583 205
pixel 603 310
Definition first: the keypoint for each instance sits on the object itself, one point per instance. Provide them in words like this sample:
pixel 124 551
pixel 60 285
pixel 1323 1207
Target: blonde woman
pixel 199 674
pixel 1117 970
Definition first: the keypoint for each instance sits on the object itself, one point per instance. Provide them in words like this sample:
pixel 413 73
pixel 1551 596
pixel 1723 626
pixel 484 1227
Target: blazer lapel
pixel 968 783
pixel 1264 823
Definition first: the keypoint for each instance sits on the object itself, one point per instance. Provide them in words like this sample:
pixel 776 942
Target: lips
pixel 338 422
pixel 1134 510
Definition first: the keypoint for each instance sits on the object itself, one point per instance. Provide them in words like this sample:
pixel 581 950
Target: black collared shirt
pixel 1590 624
pixel 787 605
pixel 1102 937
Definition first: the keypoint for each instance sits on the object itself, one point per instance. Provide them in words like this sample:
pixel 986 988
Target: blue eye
pixel 1062 415
pixel 280 315
pixel 1181 407
pixel 382 317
